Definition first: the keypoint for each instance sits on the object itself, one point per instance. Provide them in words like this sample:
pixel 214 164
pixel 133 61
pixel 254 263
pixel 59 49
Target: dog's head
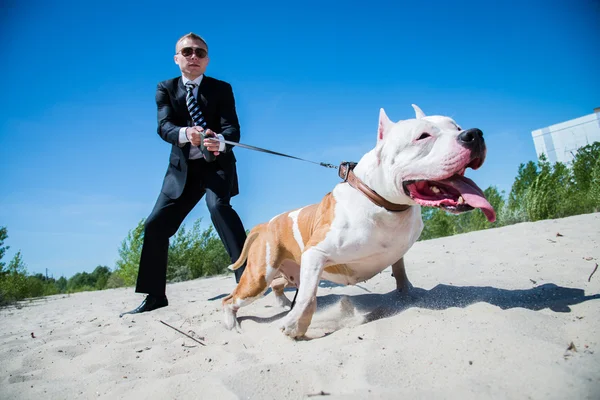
pixel 426 158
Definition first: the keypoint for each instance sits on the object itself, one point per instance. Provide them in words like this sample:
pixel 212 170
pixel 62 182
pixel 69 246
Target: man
pixel 191 108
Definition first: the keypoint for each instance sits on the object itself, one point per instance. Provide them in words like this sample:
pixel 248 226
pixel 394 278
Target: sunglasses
pixel 188 51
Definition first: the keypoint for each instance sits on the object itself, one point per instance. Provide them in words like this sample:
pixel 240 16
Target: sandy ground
pixel 493 316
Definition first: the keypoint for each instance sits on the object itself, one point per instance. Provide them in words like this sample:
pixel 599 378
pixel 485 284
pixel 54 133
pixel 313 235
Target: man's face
pixel 191 63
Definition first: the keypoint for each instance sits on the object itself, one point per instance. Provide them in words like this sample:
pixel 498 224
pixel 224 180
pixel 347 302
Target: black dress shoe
pixel 150 303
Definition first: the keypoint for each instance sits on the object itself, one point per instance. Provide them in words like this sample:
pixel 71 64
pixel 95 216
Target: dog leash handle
pixel 208 155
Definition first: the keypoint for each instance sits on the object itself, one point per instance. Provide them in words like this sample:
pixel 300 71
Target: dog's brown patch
pixel 339 269
pixel 277 238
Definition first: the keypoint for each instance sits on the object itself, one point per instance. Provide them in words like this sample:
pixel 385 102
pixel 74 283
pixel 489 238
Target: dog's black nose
pixel 471 139
pixel 470 136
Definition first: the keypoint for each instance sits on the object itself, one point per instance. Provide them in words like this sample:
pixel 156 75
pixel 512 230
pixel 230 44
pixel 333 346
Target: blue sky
pixel 81 163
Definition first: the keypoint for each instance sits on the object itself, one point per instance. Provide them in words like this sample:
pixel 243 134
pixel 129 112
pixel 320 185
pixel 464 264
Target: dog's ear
pixel 418 112
pixel 384 124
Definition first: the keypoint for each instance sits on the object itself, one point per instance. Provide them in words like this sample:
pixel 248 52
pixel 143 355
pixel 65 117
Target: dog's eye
pixel 424 135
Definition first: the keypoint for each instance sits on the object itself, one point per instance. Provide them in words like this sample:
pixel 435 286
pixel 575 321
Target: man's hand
pixel 193 135
pixel 210 144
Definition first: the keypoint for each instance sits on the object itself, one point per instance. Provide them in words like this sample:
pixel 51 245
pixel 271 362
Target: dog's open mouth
pixel 455 194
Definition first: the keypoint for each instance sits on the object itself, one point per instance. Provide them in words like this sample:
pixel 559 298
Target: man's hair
pixel 193 36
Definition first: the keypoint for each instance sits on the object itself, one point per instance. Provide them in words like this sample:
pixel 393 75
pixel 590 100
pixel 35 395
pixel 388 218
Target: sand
pixel 506 313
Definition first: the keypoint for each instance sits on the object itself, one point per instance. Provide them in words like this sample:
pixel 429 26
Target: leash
pixel 294 301
pixel 247 146
pixel 345 172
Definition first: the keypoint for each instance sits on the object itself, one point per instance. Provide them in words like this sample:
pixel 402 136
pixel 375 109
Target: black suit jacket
pixel 217 103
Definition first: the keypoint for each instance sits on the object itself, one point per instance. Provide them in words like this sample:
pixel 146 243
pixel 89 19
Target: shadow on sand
pixel 377 306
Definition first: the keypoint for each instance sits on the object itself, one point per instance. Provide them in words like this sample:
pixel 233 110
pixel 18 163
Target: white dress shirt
pixel 183 139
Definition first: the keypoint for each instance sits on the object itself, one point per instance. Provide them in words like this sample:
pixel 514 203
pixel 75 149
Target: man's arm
pixel 167 130
pixel 230 126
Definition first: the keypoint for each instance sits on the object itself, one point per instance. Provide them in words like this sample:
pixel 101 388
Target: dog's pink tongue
pixel 472 194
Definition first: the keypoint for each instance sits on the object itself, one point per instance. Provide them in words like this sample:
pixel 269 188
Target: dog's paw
pixel 230 319
pixel 283 301
pixel 290 327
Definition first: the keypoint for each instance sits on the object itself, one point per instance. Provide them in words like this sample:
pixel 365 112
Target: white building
pixel 560 142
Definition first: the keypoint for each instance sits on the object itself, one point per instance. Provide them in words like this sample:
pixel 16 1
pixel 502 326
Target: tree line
pixel 193 253
pixel 541 190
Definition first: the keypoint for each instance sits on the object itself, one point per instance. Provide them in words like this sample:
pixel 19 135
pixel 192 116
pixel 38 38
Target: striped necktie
pixel 193 107
pixel 197 117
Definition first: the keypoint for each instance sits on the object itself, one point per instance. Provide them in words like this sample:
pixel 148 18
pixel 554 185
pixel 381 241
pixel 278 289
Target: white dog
pixel 368 222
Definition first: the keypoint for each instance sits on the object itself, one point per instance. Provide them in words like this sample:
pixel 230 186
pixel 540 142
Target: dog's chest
pixel 365 243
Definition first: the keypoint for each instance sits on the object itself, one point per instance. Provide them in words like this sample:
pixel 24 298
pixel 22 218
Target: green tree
pixel 80 282
pixel 61 284
pixel 114 281
pixel 178 268
pixel 196 253
pixel 566 194
pixel 549 195
pixel 100 276
pixel 3 248
pixel 594 192
pixel 515 208
pixel 436 223
pixel 129 255
pixel 13 285
pixel 215 259
pixel 585 160
pixel 36 285
pixel 586 163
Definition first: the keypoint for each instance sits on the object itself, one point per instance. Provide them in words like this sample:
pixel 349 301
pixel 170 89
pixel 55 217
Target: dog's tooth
pixel 435 189
pixel 461 200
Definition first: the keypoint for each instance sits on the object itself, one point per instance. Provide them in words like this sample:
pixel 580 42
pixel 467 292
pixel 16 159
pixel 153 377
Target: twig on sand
pixel 183 333
pixel 184 321
pixel 321 393
pixel 595 268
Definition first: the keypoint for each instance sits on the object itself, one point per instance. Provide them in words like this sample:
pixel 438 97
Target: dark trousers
pixel 168 214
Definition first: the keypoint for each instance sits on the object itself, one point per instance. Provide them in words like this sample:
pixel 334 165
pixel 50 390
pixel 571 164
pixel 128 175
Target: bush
pixel 13 284
pixel 129 255
pixel 594 193
pixel 114 281
pixel 180 273
pixel 514 215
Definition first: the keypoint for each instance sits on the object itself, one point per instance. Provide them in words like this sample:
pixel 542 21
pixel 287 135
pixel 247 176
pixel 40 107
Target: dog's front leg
pixel 296 323
pixel 403 285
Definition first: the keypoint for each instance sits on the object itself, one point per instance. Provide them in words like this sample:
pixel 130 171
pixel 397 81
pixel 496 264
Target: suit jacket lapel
pixel 204 87
pixel 181 94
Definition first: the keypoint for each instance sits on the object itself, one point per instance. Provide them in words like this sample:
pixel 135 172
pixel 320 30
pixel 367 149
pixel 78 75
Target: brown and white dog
pixel 347 238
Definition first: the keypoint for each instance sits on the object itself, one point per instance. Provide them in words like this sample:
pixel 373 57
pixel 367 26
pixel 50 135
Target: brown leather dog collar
pixel 346 173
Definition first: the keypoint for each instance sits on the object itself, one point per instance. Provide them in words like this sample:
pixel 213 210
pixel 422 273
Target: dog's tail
pixel 247 244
